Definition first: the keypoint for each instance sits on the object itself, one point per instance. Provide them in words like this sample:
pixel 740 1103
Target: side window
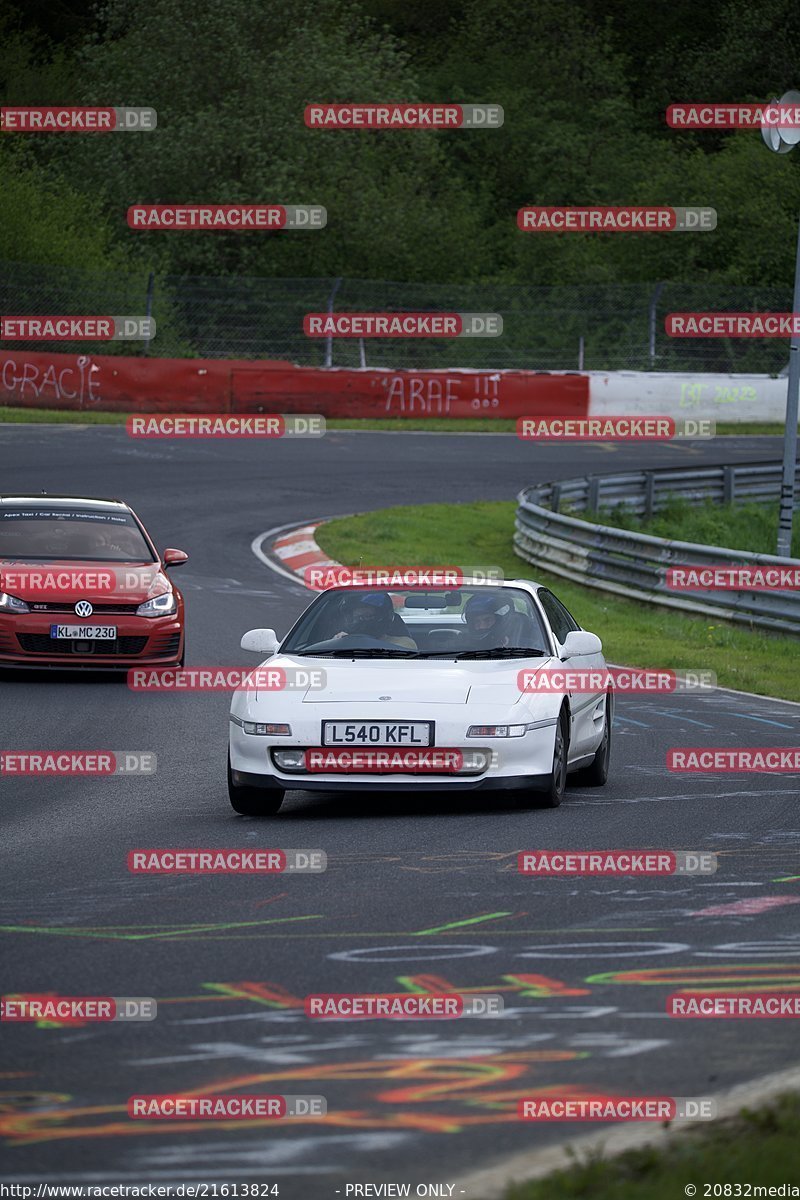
pixel 562 621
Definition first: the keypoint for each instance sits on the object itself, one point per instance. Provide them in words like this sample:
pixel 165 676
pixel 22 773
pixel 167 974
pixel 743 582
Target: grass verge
pixel 57 416
pixel 49 416
pixel 633 634
pixel 757 1147
pixel 752 527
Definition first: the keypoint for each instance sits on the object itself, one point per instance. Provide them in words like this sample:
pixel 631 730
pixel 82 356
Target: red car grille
pixel 168 643
pixel 42 643
pixel 70 608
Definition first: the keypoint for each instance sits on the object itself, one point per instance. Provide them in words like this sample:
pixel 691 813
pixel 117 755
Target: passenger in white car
pixel 371 614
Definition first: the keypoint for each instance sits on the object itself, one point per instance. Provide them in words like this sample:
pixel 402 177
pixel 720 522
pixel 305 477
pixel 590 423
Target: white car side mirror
pixel 580 642
pixel 260 641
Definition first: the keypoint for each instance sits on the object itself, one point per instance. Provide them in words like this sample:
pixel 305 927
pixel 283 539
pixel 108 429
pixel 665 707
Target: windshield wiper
pixel 436 654
pixel 505 652
pixel 358 652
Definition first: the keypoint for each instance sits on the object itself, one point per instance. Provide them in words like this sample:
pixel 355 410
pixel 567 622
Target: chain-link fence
pixel 571 327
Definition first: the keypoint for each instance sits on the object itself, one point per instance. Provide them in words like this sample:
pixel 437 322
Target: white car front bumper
pixel 509 762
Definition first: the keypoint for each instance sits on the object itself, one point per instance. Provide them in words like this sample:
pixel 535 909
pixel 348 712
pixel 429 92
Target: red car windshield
pixel 67 535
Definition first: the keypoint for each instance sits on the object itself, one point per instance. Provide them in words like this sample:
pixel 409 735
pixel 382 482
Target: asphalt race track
pixel 421 892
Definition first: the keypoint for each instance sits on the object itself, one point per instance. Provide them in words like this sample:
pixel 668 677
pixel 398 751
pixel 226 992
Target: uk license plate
pixel 377 733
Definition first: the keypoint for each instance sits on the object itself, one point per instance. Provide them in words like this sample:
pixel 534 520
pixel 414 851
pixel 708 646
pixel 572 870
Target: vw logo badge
pixel 83 609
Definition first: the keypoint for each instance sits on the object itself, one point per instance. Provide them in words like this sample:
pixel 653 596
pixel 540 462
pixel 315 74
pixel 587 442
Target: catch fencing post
pixel 148 308
pixel 337 283
pixel 652 320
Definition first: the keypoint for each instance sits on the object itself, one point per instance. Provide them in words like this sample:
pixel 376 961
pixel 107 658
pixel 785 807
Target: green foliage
pixel 230 82
pixel 44 219
pixel 583 86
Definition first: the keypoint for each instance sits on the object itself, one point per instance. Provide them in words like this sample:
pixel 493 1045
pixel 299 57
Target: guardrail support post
pixel 728 485
pixel 555 497
pixel 649 494
pixel 593 499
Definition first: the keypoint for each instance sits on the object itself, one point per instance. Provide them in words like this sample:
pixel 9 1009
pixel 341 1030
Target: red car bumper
pixel 25 641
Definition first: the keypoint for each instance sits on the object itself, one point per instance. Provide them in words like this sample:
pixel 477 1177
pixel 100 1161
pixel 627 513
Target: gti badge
pixel 83 609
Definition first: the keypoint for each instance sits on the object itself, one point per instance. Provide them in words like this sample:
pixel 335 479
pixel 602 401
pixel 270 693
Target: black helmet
pixel 483 612
pixel 367 612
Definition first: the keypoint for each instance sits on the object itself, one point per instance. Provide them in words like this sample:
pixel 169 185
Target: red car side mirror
pixel 175 558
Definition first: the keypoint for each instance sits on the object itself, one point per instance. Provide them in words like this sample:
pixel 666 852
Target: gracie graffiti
pixel 24 380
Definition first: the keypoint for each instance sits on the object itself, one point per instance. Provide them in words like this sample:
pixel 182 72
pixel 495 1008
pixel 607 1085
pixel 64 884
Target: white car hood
pixel 421 682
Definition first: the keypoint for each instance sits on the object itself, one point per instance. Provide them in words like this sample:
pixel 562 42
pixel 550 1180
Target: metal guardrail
pixel 634 564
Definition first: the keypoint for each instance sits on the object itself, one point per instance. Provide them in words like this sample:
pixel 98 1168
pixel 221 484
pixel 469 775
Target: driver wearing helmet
pixel 486 616
pixel 371 614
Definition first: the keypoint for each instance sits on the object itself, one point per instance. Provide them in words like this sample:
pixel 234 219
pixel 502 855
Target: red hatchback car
pixel 83 586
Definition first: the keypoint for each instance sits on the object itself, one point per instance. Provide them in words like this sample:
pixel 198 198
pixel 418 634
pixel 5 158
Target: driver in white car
pixel 487 618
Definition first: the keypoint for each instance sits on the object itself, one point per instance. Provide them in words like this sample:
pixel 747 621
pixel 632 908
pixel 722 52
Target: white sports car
pixel 393 689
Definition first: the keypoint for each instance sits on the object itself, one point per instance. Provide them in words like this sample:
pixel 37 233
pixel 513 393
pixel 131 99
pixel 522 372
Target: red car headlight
pixel 12 604
pixel 159 606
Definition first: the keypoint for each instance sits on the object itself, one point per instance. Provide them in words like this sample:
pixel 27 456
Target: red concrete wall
pixel 105 383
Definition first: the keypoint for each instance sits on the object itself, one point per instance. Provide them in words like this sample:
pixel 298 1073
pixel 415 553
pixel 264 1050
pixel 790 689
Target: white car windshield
pixel 470 622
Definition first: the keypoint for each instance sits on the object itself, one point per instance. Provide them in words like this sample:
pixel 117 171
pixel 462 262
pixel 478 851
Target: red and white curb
pixel 292 551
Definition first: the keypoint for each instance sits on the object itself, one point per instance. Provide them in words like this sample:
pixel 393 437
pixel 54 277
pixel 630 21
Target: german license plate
pixel 377 733
pixel 95 633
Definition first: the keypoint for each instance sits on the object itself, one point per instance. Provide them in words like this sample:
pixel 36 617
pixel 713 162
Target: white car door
pixel 587 707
